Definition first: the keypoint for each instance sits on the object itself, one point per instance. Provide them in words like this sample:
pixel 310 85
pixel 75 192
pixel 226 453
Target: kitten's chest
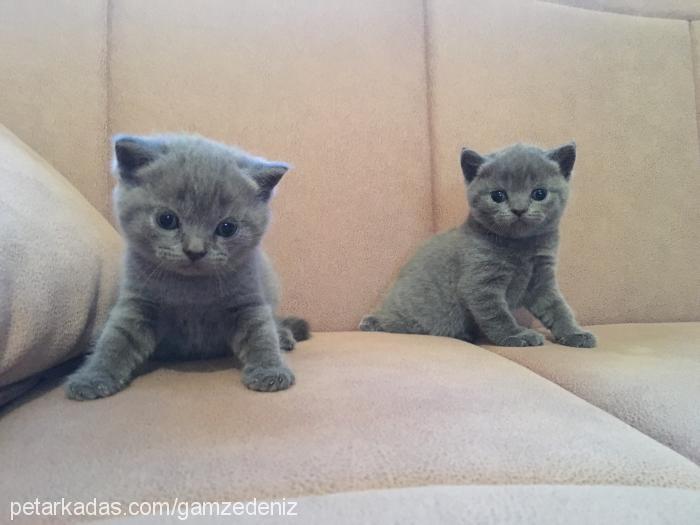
pixel 193 332
pixel 521 275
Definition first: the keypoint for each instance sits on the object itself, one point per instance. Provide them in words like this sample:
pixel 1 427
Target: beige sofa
pixel 371 101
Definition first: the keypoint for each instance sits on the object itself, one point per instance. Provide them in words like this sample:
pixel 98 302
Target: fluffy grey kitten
pixel 466 282
pixel 196 282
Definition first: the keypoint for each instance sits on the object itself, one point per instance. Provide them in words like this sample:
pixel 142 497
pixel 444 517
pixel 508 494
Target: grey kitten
pixel 466 282
pixel 196 283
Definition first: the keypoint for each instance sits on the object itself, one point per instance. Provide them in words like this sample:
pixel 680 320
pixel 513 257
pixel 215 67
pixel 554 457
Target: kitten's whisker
pixel 151 274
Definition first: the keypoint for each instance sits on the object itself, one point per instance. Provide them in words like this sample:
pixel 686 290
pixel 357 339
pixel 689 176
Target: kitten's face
pixel 189 205
pixel 520 191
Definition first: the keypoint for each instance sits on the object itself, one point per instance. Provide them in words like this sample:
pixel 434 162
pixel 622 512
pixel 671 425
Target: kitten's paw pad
pixel 578 340
pixel 82 387
pixel 268 379
pixel 525 338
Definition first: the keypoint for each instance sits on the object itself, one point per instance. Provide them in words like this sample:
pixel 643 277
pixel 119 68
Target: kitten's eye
pixel 226 228
pixel 539 194
pixel 168 220
pixel 498 196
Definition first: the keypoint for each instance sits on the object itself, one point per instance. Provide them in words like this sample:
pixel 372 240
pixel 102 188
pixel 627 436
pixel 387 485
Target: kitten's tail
pixel 300 327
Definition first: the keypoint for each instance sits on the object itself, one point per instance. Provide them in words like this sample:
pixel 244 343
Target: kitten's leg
pixel 256 344
pixel 545 301
pixel 487 304
pixel 127 340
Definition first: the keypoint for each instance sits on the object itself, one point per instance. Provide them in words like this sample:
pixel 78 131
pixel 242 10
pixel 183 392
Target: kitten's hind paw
pixel 578 340
pixel 269 379
pixel 300 329
pixel 370 323
pixel 81 386
pixel 527 337
pixel 287 340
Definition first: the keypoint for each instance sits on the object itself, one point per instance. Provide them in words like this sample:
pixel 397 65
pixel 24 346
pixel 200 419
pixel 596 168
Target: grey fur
pixel 465 282
pixel 219 299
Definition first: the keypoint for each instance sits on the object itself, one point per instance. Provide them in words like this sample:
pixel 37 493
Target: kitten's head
pixel 519 191
pixel 191 205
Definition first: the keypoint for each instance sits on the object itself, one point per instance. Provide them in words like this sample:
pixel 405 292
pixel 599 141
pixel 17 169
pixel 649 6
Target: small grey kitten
pixel 466 282
pixel 196 283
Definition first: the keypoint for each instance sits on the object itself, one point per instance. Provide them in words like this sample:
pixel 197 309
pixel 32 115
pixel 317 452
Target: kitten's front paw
pixel 268 379
pixel 527 337
pixel 82 386
pixel 578 340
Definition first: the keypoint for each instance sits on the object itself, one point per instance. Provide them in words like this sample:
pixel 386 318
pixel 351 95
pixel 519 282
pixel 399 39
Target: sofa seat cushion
pixel 483 504
pixel 369 411
pixel 648 375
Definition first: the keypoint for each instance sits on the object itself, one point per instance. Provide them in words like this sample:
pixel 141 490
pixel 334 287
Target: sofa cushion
pixel 59 266
pixel 648 375
pixel 369 411
pixel 53 59
pixel 496 505
pixel 695 40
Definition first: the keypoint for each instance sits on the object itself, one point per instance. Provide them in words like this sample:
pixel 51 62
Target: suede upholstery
pixel 680 9
pixel 369 411
pixel 345 105
pixel 59 267
pixel 510 71
pixel 486 504
pixel 350 105
pixel 53 80
pixel 645 374
pixel 371 103
pixel 695 42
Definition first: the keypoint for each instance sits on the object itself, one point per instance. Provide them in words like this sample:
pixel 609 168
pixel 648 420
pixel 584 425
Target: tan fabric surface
pixel 508 71
pixel 58 268
pixel 695 41
pixel 484 505
pixel 647 375
pixel 368 411
pixel 683 9
pixel 54 86
pixel 335 88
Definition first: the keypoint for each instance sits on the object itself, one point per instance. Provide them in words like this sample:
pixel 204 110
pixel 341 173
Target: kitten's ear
pixel 132 153
pixel 470 161
pixel 565 156
pixel 265 173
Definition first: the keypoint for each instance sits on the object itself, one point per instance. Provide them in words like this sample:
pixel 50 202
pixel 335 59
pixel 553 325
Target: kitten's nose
pixel 195 255
pixel 518 212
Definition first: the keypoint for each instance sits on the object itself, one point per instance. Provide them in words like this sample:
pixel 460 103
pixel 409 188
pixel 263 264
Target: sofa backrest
pixel 622 87
pixel 371 103
pixel 53 87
